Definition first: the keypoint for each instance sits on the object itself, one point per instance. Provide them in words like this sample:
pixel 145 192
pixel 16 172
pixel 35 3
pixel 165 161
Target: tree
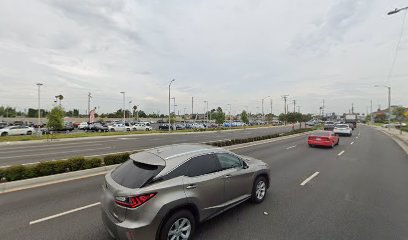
pixel 400 113
pixel 142 114
pixel 56 118
pixel 282 117
pixel 380 117
pixel 219 116
pixel 244 117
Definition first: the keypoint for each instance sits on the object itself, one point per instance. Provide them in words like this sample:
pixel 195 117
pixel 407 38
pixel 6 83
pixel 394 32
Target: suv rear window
pixel 132 174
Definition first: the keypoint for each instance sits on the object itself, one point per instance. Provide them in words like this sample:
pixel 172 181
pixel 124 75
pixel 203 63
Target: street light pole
pixel 169 100
pixel 389 103
pixel 230 115
pixel 206 112
pixel 130 102
pixel 124 110
pixel 263 113
pixel 39 106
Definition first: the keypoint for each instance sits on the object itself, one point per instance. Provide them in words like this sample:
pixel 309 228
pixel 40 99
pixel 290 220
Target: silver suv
pixel 162 193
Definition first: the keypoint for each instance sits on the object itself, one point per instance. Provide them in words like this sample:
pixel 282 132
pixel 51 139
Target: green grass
pixel 97 134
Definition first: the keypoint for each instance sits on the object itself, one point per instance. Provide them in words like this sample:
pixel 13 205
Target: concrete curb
pixel 52 179
pixel 401 142
pixel 63 177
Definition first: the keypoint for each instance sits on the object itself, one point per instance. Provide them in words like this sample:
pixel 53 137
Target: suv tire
pixel 259 190
pixel 184 218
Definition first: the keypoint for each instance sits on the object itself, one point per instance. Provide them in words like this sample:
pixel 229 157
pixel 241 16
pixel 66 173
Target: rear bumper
pixel 342 133
pixel 320 143
pixel 127 230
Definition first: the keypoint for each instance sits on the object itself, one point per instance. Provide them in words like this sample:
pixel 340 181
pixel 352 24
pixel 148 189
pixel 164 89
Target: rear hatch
pixel 128 179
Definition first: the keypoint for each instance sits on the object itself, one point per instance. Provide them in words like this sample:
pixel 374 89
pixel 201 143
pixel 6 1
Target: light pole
pixel 263 114
pixel 39 107
pixel 230 115
pixel 130 102
pixel 389 103
pixel 169 100
pixel 124 110
pixel 206 112
pixel 396 10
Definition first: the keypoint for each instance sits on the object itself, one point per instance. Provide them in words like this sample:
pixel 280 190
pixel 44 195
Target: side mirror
pixel 244 165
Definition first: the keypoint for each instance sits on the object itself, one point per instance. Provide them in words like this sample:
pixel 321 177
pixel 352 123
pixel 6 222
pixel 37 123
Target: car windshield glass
pixel 134 174
pixel 342 126
pixel 321 133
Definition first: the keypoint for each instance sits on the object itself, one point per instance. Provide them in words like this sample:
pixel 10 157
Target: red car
pixel 323 138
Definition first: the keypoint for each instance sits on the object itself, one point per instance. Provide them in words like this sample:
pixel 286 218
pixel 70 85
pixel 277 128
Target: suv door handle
pixel 191 186
pixel 227 176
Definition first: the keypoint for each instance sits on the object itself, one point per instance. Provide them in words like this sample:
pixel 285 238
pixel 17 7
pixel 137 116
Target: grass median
pixel 51 137
pixel 46 168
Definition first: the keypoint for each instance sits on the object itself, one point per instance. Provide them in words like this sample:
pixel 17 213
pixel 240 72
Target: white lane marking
pixel 39 149
pixel 352 143
pixel 64 213
pixel 341 153
pixel 154 139
pixel 52 153
pixel 309 178
pixel 290 147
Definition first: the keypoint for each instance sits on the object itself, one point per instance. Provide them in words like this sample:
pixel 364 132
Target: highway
pixel 357 190
pixel 26 152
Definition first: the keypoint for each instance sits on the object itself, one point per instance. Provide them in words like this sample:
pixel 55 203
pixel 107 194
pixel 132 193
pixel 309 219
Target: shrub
pixel 14 172
pixel 76 163
pixel 92 163
pixel 117 158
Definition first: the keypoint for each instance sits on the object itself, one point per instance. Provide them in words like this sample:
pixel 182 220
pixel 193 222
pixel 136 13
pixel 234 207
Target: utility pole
pixel 169 101
pixel 323 109
pixel 271 110
pixel 192 106
pixel 352 108
pixel 206 111
pixel 263 114
pixel 285 97
pixel 371 110
pixel 294 106
pixel 230 116
pixel 39 107
pixel 124 111
pixel 89 105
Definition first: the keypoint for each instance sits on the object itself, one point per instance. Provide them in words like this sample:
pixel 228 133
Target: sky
pixel 224 52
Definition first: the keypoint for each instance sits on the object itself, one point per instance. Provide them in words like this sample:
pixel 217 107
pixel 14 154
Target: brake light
pixel 134 201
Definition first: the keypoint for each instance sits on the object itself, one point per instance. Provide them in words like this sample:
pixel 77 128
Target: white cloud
pixel 222 51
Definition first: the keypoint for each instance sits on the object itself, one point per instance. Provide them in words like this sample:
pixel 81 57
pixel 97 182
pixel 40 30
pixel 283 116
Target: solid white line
pixel 290 147
pixel 352 143
pixel 53 153
pixel 309 178
pixel 341 153
pixel 64 213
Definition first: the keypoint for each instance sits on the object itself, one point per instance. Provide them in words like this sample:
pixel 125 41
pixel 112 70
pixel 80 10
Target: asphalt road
pixel 24 152
pixel 360 193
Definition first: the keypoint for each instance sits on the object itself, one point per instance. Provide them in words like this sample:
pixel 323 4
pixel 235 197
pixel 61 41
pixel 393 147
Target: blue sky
pixel 233 51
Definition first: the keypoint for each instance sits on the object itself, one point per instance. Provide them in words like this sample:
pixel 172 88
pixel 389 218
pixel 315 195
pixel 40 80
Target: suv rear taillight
pixel 133 201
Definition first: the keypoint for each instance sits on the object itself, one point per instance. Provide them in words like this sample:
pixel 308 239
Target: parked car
pixel 323 138
pixel 16 130
pixel 83 126
pixel 197 126
pixel 165 127
pixel 3 125
pixel 165 192
pixel 311 123
pixel 180 127
pixel 97 127
pixel 141 127
pixel 328 125
pixel 119 127
pixel 343 129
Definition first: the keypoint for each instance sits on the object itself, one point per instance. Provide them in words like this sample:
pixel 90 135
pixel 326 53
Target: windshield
pixel 342 126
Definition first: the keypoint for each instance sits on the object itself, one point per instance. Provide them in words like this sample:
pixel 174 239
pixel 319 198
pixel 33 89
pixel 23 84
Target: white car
pixel 342 129
pixel 16 130
pixel 83 125
pixel 119 128
pixel 141 127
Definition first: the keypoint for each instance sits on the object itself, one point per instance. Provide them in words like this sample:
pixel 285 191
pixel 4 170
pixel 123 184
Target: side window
pixel 228 161
pixel 201 165
pixel 179 171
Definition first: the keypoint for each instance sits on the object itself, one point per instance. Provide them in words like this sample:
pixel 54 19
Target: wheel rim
pixel 181 229
pixel 260 190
